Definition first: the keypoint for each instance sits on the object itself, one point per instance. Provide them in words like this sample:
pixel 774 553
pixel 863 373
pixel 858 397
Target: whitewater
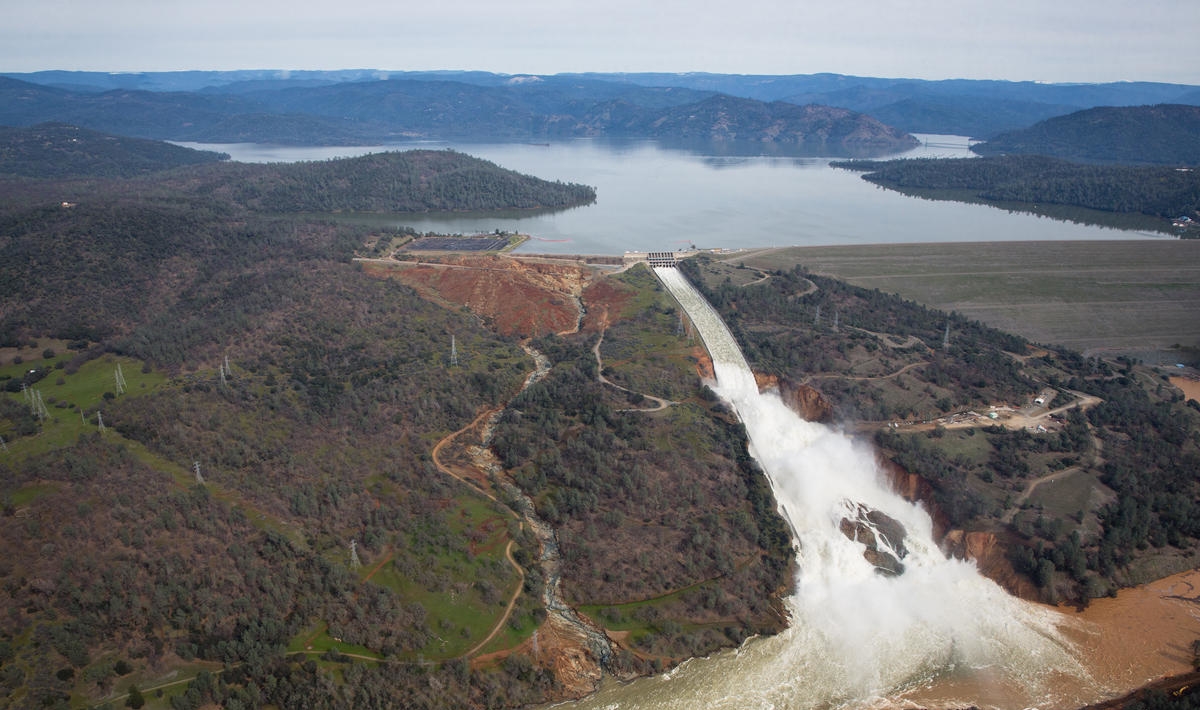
pixel 857 638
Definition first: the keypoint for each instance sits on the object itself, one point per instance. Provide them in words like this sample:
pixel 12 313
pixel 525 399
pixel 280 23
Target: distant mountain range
pixel 393 110
pixel 975 108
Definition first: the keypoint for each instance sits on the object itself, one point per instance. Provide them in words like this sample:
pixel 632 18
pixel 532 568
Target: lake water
pixel 649 197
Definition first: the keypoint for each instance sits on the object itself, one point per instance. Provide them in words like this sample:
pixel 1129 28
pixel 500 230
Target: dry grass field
pixel 1134 296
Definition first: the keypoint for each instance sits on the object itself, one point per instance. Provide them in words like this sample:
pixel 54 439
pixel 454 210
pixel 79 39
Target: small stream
pixel 559 613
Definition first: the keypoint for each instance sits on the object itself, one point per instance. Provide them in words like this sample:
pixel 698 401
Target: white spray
pixel 856 637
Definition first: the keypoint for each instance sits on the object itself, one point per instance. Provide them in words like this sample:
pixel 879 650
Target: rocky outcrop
pixel 985 549
pixel 804 400
pixel 914 489
pixel 988 554
pixel 881 535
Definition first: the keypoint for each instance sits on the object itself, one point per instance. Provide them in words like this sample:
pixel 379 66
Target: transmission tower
pixel 453 352
pixel 836 316
pixel 946 338
pixel 196 469
pixel 3 445
pixel 535 643
pixel 100 421
pixel 817 319
pixel 355 563
pixel 120 378
pixel 38 405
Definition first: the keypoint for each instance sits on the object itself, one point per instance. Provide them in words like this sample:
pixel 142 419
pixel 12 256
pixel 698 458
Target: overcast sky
pixel 1047 40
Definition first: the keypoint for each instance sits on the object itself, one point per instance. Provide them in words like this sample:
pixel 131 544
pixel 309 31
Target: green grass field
pixel 1122 295
pixel 74 402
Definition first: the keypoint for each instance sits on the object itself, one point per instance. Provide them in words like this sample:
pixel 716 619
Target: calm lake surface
pixel 653 198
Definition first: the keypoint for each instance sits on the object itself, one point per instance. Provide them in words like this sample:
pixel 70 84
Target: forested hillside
pixel 410 181
pixel 60 151
pixel 205 406
pixel 1162 192
pixel 219 470
pixel 1164 134
pixel 315 433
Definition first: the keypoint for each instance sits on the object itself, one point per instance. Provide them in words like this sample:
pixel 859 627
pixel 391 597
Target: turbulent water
pixel 857 638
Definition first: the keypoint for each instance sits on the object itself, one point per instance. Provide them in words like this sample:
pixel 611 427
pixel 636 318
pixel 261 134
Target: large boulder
pixel 881 535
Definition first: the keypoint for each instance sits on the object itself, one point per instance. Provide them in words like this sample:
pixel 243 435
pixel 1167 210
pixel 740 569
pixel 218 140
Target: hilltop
pixel 57 151
pixel 1035 182
pixel 1164 134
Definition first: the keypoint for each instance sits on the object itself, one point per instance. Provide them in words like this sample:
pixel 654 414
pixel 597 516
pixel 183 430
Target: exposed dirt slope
pixel 515 297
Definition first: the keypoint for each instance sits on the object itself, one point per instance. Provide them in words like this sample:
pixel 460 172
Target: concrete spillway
pixel 857 638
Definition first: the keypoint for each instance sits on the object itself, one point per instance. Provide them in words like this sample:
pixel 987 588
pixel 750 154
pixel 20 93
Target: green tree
pixel 135 699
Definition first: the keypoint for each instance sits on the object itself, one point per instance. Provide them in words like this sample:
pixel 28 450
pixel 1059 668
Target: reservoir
pixel 652 198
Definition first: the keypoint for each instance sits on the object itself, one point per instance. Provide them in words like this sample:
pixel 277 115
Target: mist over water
pixel 857 638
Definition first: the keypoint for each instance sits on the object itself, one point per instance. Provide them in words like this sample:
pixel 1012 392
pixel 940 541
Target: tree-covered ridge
pixel 1164 134
pixel 316 432
pixel 409 181
pixel 727 118
pixel 665 524
pixel 1155 191
pixel 59 151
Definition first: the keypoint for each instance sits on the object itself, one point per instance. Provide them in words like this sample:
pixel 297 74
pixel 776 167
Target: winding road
pixel 660 403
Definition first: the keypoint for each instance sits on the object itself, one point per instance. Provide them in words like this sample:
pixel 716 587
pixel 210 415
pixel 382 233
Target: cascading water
pixel 858 637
